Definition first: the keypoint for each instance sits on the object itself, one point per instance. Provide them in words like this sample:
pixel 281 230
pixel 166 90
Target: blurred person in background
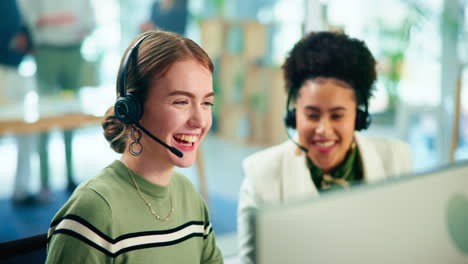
pixel 168 15
pixel 329 80
pixel 58 29
pixel 15 43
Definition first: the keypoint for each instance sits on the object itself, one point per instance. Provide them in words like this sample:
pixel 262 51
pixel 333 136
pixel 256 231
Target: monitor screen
pixel 420 218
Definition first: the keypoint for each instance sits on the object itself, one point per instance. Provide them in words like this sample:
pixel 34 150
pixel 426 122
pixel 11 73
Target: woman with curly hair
pixel 329 80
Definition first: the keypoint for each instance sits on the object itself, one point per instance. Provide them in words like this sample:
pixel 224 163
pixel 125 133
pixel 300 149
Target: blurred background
pixel 421 96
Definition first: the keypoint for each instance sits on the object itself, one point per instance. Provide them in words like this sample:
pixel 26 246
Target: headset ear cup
pixel 363 120
pixel 128 109
pixel 137 109
pixel 290 118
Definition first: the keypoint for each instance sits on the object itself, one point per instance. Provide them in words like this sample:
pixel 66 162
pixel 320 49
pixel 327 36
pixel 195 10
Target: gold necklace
pixel 153 212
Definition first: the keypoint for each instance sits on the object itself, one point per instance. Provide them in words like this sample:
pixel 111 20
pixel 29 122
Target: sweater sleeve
pixel 211 253
pixel 80 232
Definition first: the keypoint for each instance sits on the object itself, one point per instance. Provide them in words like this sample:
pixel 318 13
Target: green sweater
pixel 106 221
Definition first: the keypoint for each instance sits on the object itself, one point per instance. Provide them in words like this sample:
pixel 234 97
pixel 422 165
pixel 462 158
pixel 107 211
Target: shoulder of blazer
pixel 385 146
pixel 393 154
pixel 266 161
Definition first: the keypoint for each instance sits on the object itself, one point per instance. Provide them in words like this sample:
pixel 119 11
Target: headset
pixel 363 118
pixel 128 108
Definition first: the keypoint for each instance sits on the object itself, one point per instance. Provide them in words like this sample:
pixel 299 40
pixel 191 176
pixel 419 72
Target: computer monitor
pixel 412 219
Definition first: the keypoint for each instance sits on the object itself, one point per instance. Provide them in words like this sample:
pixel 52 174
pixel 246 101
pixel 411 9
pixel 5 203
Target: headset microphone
pixel 297 144
pixel 290 121
pixel 176 152
pixel 128 108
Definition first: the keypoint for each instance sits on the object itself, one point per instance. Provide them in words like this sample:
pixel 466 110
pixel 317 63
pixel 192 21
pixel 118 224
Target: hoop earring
pixel 136 136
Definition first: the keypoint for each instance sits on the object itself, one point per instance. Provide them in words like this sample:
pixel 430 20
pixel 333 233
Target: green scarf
pixel 348 173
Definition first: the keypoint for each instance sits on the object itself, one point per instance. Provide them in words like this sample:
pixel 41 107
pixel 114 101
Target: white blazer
pixel 280 174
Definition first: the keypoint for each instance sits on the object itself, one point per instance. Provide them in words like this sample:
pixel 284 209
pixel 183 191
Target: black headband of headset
pixel 123 69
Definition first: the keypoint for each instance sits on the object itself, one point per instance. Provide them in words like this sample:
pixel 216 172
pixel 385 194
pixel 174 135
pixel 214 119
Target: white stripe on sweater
pixel 79 228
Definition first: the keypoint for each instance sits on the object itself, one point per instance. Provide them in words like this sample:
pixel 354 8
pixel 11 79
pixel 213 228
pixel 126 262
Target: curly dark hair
pixel 335 55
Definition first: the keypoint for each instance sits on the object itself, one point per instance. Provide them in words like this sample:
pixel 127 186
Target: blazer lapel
pixel 295 176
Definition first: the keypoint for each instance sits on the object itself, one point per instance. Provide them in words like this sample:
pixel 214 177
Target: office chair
pixel 25 250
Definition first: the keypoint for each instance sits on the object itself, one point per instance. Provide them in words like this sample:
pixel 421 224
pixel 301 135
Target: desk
pixel 63 121
pixel 36 115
